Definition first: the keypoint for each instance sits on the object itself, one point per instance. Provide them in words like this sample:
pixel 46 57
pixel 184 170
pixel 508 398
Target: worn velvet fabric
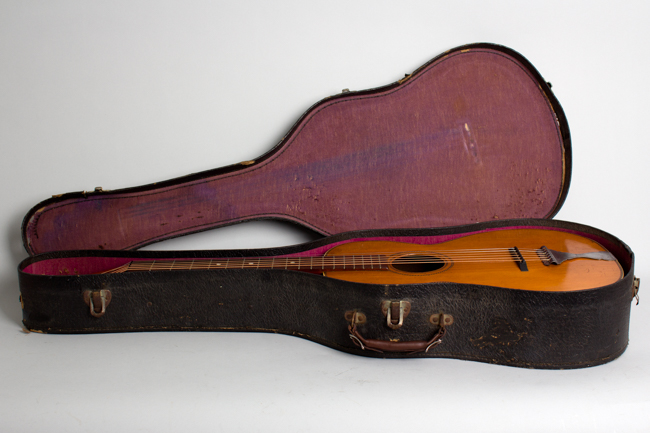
pixel 474 135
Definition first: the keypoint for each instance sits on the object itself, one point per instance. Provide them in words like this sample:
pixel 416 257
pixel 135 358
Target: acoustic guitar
pixel 525 259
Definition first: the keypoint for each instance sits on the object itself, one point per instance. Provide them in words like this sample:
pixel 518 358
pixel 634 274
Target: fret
pixel 311 265
pixel 151 266
pixel 227 263
pixel 273 263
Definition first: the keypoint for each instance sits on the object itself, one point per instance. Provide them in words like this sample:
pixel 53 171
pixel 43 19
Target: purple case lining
pixel 474 135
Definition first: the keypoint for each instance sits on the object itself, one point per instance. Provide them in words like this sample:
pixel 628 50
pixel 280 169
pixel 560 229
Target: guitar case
pixel 473 141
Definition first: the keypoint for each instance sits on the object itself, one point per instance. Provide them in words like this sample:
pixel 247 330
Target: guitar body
pixel 481 264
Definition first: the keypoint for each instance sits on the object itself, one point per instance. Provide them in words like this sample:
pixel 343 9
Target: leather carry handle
pixel 382 346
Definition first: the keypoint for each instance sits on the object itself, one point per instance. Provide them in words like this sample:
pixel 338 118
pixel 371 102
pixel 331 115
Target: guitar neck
pixel 318 264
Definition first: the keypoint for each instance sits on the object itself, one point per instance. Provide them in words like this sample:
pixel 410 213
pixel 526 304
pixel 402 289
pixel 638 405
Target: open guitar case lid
pixel 470 142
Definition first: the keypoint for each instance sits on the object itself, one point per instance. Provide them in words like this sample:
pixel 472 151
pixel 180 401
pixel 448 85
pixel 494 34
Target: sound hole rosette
pixel 419 263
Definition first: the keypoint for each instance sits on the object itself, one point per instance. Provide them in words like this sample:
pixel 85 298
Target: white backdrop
pixel 123 93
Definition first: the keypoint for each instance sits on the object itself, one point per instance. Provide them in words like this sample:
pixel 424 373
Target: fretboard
pixel 327 263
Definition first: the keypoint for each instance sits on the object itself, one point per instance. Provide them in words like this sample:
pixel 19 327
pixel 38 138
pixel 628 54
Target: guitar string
pixel 415 255
pixel 382 258
pixel 323 262
pixel 400 254
pixel 359 262
pixel 347 258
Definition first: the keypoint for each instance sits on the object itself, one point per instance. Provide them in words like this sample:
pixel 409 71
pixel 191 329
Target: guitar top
pixel 506 258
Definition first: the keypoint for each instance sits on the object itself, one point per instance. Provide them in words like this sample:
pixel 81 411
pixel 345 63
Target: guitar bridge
pixel 519 259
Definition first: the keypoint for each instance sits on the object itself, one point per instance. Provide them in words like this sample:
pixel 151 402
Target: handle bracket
pixel 382 346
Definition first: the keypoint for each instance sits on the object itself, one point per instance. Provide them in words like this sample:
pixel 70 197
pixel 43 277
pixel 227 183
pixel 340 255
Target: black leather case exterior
pixel 491 324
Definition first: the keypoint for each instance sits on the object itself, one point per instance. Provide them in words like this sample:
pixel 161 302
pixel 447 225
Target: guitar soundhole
pixel 418 263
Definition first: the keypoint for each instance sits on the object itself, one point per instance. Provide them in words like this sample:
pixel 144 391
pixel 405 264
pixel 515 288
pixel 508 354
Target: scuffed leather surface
pixel 491 324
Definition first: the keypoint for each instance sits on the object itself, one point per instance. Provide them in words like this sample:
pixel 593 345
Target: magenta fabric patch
pixel 75 265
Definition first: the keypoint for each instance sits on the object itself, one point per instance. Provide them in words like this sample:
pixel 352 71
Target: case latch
pixel 97 300
pixel 395 312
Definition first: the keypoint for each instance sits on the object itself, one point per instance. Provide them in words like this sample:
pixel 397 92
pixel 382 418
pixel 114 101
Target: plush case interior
pixel 473 135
